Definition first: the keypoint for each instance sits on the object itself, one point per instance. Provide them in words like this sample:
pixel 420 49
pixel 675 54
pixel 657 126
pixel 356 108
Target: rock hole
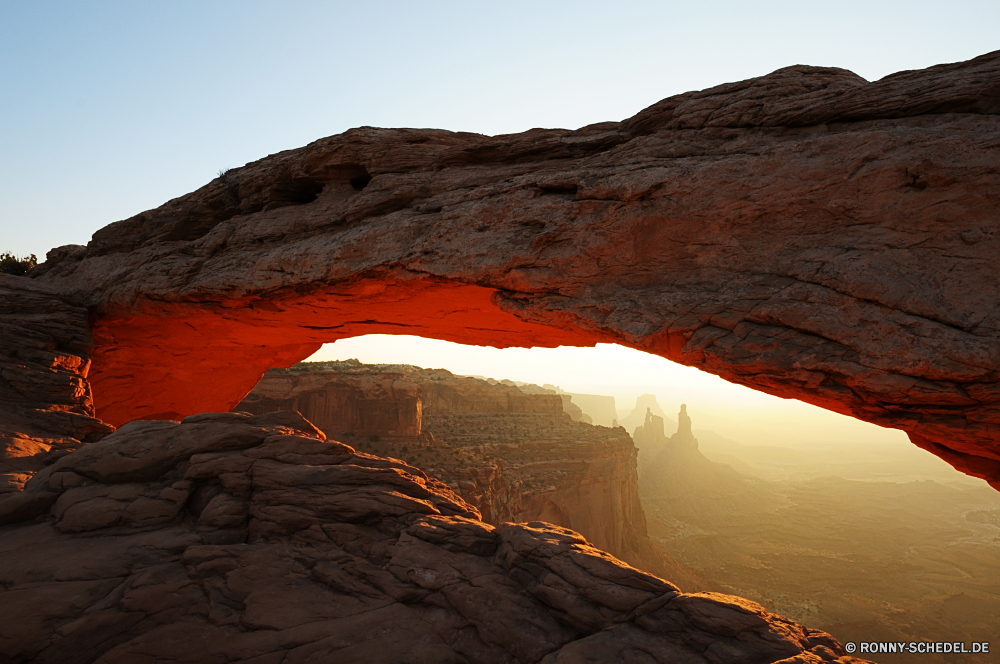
pixel 359 182
pixel 296 191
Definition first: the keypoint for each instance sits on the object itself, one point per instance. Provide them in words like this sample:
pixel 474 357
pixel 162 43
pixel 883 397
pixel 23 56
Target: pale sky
pixel 112 108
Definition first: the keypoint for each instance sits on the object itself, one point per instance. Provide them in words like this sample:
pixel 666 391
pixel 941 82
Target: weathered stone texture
pixel 511 451
pixel 237 538
pixel 46 408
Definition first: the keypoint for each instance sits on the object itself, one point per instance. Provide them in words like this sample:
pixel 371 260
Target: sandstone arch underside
pixel 807 233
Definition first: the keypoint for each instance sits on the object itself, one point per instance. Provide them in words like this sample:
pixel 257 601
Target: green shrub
pixel 11 264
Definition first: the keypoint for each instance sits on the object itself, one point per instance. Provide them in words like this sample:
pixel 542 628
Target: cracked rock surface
pixel 236 538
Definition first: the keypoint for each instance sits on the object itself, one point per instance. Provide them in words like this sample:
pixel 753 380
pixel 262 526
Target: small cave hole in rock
pixel 361 181
pixel 708 484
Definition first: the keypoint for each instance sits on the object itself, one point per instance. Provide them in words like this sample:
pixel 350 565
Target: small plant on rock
pixel 11 264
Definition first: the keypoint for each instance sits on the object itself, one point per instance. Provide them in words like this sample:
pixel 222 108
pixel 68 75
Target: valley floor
pixel 864 560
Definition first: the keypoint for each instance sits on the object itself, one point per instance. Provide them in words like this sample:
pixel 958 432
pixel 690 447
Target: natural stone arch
pixel 806 233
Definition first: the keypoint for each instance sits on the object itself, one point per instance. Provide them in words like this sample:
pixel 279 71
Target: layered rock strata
pixel 46 407
pixel 509 450
pixel 806 233
pixel 236 538
pixel 356 404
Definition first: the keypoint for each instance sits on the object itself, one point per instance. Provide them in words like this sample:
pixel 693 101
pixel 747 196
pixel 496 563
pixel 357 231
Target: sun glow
pixel 734 411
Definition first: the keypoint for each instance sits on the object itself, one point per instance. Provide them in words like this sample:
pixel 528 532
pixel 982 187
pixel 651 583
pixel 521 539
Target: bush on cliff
pixel 11 264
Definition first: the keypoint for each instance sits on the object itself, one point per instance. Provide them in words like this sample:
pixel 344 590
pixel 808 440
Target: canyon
pixel 806 233
pixel 900 547
pixel 515 453
pixel 230 537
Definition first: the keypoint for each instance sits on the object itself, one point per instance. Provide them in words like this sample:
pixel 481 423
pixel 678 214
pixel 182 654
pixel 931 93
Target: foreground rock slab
pixel 806 233
pixel 237 538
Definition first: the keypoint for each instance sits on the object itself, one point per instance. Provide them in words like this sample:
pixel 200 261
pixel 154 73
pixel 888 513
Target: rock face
pixel 600 408
pixel 645 405
pixel 806 233
pixel 356 404
pixel 236 538
pixel 510 451
pixel 46 409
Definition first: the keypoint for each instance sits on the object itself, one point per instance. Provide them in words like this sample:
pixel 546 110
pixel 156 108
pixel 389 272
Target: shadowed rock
pixel 46 409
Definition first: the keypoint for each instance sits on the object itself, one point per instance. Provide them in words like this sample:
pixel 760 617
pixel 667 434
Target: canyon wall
pixel 358 404
pixel 806 233
pixel 511 451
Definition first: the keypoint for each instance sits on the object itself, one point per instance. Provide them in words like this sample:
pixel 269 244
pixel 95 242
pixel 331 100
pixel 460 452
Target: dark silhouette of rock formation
pixel 645 405
pixel 806 233
pixel 684 436
pixel 677 481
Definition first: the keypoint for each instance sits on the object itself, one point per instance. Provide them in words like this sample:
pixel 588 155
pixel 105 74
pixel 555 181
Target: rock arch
pixel 806 233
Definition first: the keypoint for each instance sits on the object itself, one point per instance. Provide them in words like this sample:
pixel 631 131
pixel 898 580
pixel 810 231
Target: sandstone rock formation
pixel 360 403
pixel 236 538
pixel 677 482
pixel 510 451
pixel 46 409
pixel 645 405
pixel 806 233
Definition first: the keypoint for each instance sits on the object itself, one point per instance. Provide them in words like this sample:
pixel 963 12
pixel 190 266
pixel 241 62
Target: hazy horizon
pixel 737 412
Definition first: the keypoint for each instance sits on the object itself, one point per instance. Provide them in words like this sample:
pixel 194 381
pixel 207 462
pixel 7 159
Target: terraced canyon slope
pixel 806 233
pixel 854 539
pixel 515 455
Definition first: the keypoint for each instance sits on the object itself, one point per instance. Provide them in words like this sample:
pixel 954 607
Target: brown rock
pixel 46 409
pixel 254 539
pixel 805 233
pixel 511 451
pixel 356 404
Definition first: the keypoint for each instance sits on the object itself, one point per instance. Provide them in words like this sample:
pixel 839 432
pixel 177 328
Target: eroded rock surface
pixel 236 538
pixel 512 452
pixel 805 233
pixel 46 408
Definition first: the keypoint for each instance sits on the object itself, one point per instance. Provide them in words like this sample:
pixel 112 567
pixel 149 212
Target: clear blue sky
pixel 108 109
